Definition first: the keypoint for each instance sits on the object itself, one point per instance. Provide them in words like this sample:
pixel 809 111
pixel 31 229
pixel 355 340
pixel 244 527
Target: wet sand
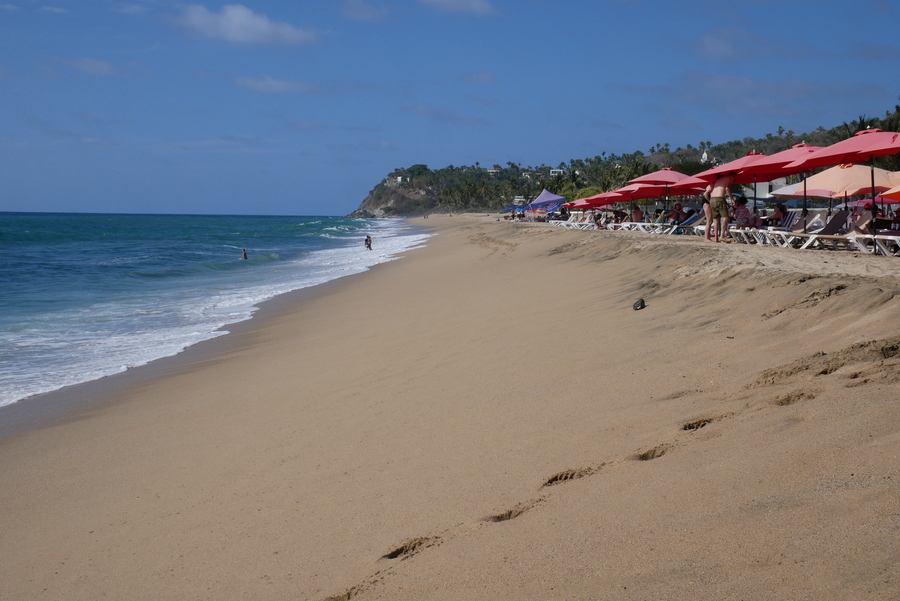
pixel 488 418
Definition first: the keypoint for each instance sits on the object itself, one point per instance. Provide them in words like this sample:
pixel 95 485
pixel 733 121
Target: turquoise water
pixel 85 296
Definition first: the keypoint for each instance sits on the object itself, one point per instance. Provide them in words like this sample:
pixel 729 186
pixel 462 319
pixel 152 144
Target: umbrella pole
pixel 805 212
pixel 755 209
pixel 754 193
pixel 883 209
pixel 874 206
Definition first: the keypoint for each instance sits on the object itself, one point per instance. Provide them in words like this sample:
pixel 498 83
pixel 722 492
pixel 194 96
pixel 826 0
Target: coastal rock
pixel 394 201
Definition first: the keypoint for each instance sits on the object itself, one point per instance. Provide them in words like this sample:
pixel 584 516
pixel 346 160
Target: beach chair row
pixel 581 223
pixel 839 232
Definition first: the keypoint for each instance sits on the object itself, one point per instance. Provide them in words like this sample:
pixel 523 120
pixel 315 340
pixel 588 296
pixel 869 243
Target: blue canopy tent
pixel 546 202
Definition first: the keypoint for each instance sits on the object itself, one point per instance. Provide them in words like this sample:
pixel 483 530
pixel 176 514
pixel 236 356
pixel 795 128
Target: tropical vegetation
pixel 476 187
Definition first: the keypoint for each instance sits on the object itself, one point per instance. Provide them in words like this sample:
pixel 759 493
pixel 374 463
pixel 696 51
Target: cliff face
pixel 393 201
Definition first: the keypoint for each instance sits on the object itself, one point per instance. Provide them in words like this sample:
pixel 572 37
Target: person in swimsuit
pixel 677 214
pixel 707 212
pixel 718 207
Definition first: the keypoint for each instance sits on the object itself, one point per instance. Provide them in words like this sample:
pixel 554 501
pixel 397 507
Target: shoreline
pixel 489 418
pixel 76 400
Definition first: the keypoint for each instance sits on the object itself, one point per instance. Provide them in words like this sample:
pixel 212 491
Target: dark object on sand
pixel 639 304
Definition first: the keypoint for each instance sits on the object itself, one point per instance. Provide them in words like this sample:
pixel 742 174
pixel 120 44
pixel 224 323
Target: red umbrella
pixel 664 176
pixel 773 166
pixel 736 166
pixel 892 195
pixel 862 147
pixel 598 200
pixel 689 184
pixel 641 191
pixel 581 203
pixel 638 191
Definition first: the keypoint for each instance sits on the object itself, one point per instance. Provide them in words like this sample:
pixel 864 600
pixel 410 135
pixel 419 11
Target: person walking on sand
pixel 715 193
pixel 368 242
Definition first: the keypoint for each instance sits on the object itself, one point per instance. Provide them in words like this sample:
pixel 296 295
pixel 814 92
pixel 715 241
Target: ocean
pixel 88 295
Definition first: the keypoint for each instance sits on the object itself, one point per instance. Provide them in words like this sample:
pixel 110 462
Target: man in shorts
pixel 715 193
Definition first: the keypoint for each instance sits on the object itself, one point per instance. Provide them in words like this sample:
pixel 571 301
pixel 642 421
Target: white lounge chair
pixel 888 244
pixel 687 227
pixel 798 239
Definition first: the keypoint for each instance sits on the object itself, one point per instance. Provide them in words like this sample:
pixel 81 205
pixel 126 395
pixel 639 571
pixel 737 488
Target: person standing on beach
pixel 368 242
pixel 715 194
pixel 707 212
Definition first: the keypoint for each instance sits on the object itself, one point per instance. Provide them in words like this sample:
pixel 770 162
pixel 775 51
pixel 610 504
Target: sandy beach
pixel 489 418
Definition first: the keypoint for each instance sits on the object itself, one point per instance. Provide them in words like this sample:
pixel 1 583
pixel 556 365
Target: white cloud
pixel 240 25
pixel 9 7
pixel 54 9
pixel 91 66
pixel 359 10
pixel 268 85
pixel 477 7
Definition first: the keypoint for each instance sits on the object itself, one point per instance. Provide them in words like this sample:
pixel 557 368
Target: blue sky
pixel 300 108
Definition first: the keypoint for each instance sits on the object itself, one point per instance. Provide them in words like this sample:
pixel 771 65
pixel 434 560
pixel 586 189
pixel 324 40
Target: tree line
pixel 471 187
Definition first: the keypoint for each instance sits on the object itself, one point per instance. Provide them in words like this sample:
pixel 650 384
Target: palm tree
pixel 858 125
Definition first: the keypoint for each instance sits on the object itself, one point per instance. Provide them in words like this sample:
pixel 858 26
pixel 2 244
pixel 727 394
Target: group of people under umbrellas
pixel 714 184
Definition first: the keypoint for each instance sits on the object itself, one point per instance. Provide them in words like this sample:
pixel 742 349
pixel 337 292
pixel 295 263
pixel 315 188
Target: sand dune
pixel 488 418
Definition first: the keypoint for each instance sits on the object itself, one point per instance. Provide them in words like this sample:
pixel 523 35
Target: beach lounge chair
pixel 888 244
pixel 696 227
pixel 854 239
pixel 647 227
pixel 622 226
pixel 573 218
pixel 576 221
pixel 765 235
pixel 687 227
pixel 798 239
pixel 590 223
pixel 742 234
